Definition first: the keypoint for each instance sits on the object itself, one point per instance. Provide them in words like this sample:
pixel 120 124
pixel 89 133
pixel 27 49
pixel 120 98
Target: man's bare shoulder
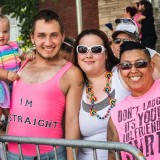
pixel 74 70
pixel 74 76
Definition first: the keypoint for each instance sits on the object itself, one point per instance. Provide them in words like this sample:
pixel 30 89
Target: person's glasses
pixel 125 20
pixel 94 49
pixel 68 44
pixel 119 40
pixel 137 64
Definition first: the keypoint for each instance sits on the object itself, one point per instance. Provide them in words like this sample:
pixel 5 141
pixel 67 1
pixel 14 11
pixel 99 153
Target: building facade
pixel 95 13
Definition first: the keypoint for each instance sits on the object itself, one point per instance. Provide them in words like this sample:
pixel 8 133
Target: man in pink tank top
pixel 48 91
pixel 135 120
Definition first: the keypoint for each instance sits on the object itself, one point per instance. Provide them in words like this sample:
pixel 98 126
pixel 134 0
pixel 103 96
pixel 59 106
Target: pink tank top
pixel 37 110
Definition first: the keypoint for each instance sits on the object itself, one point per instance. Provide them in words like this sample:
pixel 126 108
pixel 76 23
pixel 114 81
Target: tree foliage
pixel 24 11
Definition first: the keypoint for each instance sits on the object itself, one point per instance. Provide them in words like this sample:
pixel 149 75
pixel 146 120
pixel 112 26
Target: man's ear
pixel 32 38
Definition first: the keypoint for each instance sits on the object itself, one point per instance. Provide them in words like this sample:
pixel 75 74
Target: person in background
pixel 135 120
pixel 130 12
pixel 135 17
pixel 149 37
pixel 127 30
pixel 102 88
pixel 67 48
pixel 50 84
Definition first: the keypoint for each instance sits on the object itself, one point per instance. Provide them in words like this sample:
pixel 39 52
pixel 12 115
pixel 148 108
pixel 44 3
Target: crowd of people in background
pixel 82 88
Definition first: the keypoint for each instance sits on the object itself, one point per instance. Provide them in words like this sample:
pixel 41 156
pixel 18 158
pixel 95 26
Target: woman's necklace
pixel 106 89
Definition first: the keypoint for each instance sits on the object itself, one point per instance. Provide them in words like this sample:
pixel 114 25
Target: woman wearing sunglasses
pixel 135 120
pixel 102 88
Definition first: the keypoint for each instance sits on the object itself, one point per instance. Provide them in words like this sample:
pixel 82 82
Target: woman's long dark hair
pixel 147 5
pixel 111 60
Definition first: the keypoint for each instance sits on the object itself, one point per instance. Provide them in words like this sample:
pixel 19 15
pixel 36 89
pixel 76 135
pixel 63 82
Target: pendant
pixel 93 112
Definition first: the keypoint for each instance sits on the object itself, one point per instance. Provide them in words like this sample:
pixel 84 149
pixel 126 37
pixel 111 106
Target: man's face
pixel 136 71
pixel 116 46
pixel 47 38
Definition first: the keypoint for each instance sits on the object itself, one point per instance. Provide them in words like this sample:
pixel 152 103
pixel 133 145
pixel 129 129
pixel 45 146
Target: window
pixel 14 29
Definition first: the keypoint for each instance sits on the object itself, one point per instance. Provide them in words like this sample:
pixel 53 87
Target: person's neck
pixel 138 93
pixel 92 78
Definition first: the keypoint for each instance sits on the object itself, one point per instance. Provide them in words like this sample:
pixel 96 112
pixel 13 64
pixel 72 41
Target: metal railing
pixel 117 146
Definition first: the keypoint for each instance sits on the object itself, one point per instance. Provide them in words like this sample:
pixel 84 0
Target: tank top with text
pixel 37 111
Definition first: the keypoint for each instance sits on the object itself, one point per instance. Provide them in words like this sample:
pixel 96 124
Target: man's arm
pixel 73 100
pixel 112 135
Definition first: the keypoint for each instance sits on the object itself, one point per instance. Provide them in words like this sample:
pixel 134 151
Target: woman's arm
pixel 112 135
pixel 140 18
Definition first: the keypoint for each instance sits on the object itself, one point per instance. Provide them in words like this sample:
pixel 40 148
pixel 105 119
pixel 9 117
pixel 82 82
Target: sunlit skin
pixel 139 80
pixel 92 64
pixel 4 32
pixel 127 14
pixel 116 47
pixel 47 39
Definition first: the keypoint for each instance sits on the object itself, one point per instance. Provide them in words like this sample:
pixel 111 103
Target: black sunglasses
pixel 119 40
pixel 82 49
pixel 137 64
pixel 125 20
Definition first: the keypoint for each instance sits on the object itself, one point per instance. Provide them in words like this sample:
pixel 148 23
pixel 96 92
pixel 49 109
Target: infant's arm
pixel 8 75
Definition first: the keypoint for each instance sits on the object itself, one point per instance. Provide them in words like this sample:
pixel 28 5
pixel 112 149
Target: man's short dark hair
pixel 47 15
pixel 131 45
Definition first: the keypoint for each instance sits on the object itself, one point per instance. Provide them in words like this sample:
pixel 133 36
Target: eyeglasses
pixel 137 64
pixel 119 40
pixel 82 49
pixel 68 44
pixel 125 20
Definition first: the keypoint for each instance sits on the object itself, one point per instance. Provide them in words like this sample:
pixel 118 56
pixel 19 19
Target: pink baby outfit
pixel 37 110
pixel 9 56
pixel 137 120
pixel 9 60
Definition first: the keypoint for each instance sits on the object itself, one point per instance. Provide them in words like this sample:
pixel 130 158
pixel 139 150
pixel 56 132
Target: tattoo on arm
pixel 81 83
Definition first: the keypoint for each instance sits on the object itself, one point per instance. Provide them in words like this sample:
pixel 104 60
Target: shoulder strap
pixel 63 70
pixel 24 63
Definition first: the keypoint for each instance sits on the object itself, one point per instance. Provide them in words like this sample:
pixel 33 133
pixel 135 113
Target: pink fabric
pixel 37 111
pixel 10 56
pixel 137 120
pixel 136 16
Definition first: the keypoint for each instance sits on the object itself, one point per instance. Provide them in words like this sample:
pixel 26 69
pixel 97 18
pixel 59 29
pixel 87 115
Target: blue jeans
pixel 61 153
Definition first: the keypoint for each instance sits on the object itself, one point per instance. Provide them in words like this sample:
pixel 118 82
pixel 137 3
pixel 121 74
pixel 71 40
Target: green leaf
pixel 24 10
